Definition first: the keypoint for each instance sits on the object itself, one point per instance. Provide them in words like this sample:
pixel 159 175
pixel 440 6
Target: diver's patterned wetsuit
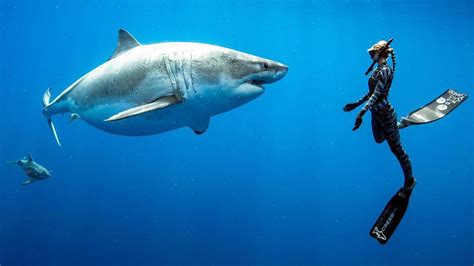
pixel 384 118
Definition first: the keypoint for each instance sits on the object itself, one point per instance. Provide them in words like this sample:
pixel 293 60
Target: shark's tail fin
pixel 46 103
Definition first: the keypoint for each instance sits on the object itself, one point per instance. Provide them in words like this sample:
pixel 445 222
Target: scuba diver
pixel 386 128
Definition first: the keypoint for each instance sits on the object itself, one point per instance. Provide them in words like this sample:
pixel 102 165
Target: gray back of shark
pixel 32 169
pixel 150 89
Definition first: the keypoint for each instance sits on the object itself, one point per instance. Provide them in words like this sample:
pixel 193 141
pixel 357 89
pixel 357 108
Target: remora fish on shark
pixel 150 89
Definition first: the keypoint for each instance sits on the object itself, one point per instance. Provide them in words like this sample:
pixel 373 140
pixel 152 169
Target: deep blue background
pixel 282 179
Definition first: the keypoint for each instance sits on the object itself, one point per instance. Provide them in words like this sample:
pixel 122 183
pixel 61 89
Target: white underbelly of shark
pixel 167 119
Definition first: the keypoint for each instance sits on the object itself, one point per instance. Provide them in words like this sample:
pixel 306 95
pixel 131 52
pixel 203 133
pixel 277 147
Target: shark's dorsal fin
pixel 30 158
pixel 125 42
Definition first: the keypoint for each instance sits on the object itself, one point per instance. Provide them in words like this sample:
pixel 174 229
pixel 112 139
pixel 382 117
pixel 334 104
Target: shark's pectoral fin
pixel 28 181
pixel 200 126
pixel 160 103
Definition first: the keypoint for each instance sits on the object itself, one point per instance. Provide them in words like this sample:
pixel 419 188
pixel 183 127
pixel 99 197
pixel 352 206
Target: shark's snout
pixel 273 72
pixel 280 71
pixel 270 72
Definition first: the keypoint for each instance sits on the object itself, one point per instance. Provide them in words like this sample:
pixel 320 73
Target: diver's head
pixel 379 52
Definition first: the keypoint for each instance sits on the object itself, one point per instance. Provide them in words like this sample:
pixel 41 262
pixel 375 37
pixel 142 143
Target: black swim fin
pixel 436 109
pixel 391 216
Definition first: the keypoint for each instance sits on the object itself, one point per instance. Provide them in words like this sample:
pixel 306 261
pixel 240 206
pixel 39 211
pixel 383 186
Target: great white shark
pixel 150 89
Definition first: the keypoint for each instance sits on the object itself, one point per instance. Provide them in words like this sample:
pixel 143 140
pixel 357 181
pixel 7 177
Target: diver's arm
pixel 351 106
pixel 364 98
pixel 379 93
pixel 370 103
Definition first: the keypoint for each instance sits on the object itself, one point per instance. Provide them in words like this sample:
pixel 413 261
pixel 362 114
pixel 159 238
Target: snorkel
pixel 375 56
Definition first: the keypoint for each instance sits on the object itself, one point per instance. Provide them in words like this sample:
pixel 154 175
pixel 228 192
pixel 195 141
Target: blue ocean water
pixel 280 180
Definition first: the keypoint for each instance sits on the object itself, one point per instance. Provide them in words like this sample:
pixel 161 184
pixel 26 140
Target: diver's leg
pixel 403 123
pixel 392 136
pixel 377 129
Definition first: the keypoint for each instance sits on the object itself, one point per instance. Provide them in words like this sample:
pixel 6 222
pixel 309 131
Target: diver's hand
pixel 349 107
pixel 358 121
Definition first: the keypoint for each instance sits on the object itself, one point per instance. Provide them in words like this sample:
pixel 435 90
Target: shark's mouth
pixel 257 82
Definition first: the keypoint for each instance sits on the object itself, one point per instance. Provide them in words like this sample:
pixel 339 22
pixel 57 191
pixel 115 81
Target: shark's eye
pixel 265 65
